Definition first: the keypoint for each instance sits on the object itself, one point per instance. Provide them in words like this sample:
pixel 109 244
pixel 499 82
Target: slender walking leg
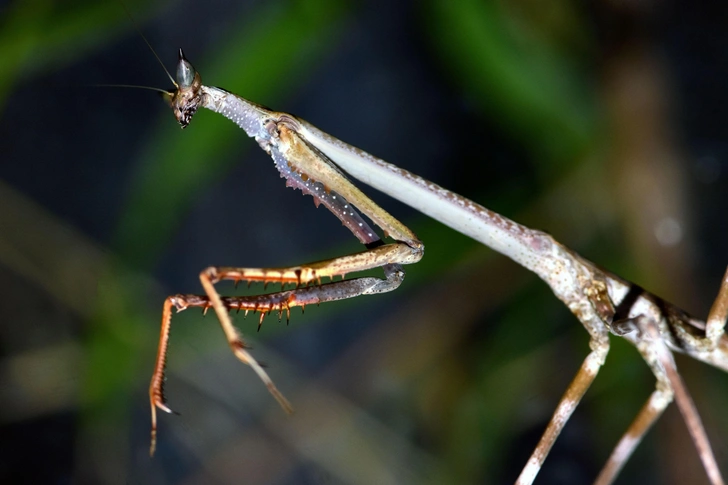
pixel 715 324
pixel 653 409
pixel 653 339
pixel 567 405
pixel 669 384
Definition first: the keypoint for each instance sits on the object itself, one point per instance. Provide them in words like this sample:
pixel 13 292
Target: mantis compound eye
pixel 185 71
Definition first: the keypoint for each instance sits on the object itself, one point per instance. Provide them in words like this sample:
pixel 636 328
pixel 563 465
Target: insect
pixel 317 164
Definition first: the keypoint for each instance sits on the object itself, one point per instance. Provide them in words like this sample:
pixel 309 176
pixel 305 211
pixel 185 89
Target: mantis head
pixel 186 98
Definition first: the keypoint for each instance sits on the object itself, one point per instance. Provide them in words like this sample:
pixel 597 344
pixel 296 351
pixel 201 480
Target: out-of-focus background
pixel 602 123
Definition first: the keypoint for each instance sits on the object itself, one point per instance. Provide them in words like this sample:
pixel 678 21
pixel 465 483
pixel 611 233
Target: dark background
pixel 600 123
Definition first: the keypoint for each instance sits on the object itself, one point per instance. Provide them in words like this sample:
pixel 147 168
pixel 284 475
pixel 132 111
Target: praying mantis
pixel 317 164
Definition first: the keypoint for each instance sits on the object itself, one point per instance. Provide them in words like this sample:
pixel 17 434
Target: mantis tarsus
pixel 316 163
